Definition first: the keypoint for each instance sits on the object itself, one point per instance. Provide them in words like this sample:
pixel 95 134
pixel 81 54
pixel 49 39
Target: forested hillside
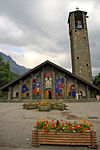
pixel 5 74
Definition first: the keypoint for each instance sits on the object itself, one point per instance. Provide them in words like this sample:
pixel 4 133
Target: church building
pixel 50 81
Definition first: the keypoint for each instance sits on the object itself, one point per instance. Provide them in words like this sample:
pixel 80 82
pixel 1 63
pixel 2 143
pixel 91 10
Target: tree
pixel 96 81
pixel 5 74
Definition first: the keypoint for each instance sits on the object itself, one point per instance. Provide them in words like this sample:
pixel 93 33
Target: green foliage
pixel 6 75
pixel 96 81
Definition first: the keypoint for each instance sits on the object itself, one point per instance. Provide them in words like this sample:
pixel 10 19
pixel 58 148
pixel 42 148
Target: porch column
pixel 10 93
pixel 20 90
pixel 42 84
pixel 53 82
pixel 76 87
pixel 87 92
pixel 31 87
pixel 65 88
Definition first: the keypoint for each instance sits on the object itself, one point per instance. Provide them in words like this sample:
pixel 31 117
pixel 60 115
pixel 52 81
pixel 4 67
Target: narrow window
pixel 77 57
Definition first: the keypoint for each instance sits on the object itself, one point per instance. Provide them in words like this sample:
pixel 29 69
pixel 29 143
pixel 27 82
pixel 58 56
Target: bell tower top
pixel 80 51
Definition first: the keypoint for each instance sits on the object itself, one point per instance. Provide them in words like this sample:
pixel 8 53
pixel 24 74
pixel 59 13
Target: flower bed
pixel 44 106
pixel 58 105
pixel 30 105
pixel 63 133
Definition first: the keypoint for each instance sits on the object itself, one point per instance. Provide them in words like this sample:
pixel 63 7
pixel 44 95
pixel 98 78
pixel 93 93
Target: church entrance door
pixel 50 95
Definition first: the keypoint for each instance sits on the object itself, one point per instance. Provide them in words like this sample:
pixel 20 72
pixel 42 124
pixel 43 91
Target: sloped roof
pixel 25 75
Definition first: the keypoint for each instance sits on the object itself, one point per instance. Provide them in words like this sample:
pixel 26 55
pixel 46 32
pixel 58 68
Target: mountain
pixel 14 67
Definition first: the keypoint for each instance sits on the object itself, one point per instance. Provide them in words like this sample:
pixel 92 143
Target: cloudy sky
pixel 32 31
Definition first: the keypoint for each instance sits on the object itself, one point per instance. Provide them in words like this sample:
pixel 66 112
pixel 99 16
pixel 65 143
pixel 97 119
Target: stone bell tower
pixel 80 52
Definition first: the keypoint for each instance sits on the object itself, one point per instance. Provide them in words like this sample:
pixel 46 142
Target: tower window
pixel 78 20
pixel 84 37
pixel 77 57
pixel 87 65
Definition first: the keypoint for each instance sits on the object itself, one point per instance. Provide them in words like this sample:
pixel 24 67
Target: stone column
pixel 87 92
pixel 76 87
pixel 10 93
pixel 42 83
pixel 20 90
pixel 65 88
pixel 53 81
pixel 31 87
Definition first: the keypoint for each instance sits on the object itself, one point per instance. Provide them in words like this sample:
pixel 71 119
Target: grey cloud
pixel 47 35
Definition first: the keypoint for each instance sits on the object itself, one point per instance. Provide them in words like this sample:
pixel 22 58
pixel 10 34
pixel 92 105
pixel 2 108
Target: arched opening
pixel 50 95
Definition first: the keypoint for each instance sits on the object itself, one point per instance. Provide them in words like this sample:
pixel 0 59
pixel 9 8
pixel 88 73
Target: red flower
pixel 66 122
pixel 79 126
pixel 52 120
pixel 70 128
pixel 69 125
pixel 53 125
pixel 62 125
pixel 75 121
pixel 61 120
pixel 44 126
pixel 74 128
pixel 91 124
pixel 86 128
pixel 44 131
pixel 82 130
pixel 38 123
pixel 47 123
pixel 58 127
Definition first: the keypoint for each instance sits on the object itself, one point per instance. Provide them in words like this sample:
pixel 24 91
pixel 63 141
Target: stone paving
pixel 16 124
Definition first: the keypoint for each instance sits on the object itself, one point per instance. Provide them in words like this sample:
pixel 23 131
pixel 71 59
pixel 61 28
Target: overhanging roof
pixel 25 75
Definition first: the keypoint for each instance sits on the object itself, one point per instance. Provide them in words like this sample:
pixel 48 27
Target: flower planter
pixel 59 106
pixel 63 138
pixel 30 106
pixel 44 108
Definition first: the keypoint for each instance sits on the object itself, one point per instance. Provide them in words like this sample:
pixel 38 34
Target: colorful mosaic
pixel 37 87
pixel 48 80
pixel 71 90
pixel 25 90
pixel 59 88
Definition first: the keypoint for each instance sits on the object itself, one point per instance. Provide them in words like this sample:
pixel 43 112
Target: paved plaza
pixel 16 124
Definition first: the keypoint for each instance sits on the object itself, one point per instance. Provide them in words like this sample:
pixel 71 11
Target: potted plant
pixel 30 105
pixel 64 133
pixel 44 106
pixel 59 105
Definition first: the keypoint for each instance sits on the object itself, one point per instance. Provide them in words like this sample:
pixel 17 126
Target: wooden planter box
pixel 59 106
pixel 63 138
pixel 30 106
pixel 44 108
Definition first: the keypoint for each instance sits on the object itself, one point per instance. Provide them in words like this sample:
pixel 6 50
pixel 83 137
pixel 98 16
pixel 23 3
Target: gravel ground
pixel 16 124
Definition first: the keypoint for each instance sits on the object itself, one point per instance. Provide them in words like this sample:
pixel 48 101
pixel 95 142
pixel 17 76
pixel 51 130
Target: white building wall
pixel 15 90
